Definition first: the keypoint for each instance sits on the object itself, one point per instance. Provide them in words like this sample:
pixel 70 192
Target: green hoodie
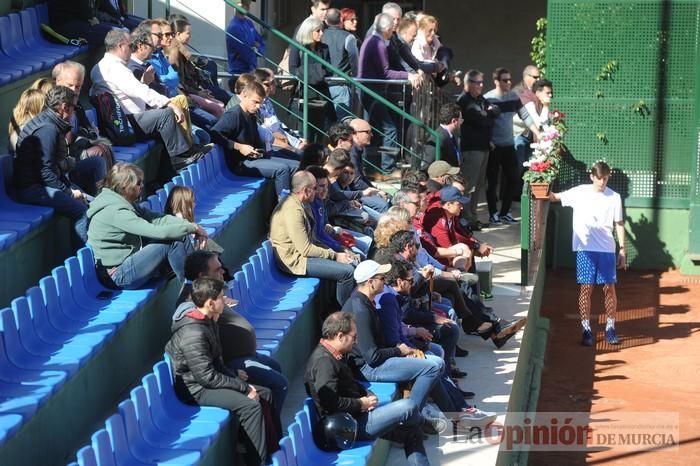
pixel 117 229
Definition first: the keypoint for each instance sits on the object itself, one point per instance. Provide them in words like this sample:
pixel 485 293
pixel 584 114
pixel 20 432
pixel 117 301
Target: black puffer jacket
pixel 42 154
pixel 195 349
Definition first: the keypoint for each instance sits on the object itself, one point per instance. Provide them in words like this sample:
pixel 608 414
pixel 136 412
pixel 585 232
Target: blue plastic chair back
pixel 288 450
pixel 86 457
pixel 117 438
pixel 103 449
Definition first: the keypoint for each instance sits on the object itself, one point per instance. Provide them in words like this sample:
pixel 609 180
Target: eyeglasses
pixel 409 279
pixel 157 34
pixel 168 34
pixel 478 83
pixel 353 336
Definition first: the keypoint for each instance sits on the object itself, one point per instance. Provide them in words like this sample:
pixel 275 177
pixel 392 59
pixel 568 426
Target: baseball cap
pixel 441 168
pixel 368 269
pixel 451 194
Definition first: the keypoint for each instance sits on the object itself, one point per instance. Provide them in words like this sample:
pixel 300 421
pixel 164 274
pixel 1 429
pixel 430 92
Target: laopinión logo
pixel 571 431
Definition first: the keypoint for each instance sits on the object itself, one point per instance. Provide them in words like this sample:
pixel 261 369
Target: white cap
pixel 368 269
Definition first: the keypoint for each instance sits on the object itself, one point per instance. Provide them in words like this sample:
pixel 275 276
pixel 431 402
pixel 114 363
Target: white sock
pixel 586 324
pixel 610 323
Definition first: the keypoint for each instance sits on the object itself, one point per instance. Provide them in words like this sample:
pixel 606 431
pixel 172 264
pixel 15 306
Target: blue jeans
pixel 425 374
pixel 64 204
pixel 341 101
pixel 379 117
pixel 142 265
pixel 400 421
pixel 335 271
pixel 278 169
pixel 88 172
pixel 376 203
pixel 265 371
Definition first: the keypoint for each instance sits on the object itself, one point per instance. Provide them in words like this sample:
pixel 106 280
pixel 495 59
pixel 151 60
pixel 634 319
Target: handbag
pixel 113 120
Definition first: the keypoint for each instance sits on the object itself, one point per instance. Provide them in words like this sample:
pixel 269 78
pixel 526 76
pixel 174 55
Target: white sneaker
pixel 474 417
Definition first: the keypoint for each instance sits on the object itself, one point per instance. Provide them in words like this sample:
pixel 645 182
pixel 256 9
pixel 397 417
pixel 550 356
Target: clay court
pixel 655 369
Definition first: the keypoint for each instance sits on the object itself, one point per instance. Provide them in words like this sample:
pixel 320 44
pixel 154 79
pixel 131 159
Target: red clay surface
pixel 656 368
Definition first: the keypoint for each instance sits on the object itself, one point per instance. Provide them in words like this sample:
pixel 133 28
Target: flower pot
pixel 540 190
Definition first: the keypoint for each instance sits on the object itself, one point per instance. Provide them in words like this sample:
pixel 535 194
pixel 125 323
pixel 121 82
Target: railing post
pixel 167 9
pixel 150 8
pixel 305 104
pixel 525 225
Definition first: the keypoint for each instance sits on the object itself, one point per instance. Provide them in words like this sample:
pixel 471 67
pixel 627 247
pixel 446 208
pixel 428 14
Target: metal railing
pixel 415 122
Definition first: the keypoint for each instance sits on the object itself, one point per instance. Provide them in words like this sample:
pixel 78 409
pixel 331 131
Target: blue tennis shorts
pixel 595 268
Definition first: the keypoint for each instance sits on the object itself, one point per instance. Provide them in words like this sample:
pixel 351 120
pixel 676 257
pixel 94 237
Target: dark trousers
pixel 249 413
pixel 160 122
pixel 501 158
pixel 450 289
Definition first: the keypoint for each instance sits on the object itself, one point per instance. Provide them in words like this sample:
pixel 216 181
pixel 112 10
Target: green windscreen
pixel 625 74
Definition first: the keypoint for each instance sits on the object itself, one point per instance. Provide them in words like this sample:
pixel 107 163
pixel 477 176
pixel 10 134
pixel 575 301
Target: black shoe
pixel 455 373
pixel 474 226
pixel 180 162
pixel 499 342
pixel 509 328
pixel 460 352
pixel 467 395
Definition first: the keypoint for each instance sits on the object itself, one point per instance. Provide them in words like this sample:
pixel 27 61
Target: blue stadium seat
pixel 176 409
pixel 263 299
pixel 31 33
pixel 258 321
pixel 86 457
pixel 132 449
pixel 308 417
pixel 29 337
pixel 94 288
pixel 268 262
pixel 255 308
pixel 103 448
pixel 279 459
pixel 21 357
pixel 81 312
pixel 182 438
pixel 9 423
pixel 13 43
pixel 59 332
pixel 14 211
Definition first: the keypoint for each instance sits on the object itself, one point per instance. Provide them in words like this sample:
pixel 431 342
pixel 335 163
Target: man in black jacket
pixel 201 378
pixel 478 116
pixel 329 381
pixel 237 133
pixel 42 164
pixel 450 118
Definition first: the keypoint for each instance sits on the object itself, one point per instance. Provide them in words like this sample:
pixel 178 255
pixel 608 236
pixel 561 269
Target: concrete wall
pixel 485 35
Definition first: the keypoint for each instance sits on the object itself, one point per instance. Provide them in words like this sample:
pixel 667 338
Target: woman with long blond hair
pixel 31 102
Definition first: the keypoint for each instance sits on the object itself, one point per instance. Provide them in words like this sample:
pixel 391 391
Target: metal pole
pixel 305 101
pixel 150 8
pixel 167 9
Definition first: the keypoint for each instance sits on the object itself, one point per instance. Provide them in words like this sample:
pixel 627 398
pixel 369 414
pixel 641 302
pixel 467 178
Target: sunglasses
pixel 476 82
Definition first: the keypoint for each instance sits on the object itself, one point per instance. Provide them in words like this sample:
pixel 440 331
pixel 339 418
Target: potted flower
pixel 543 166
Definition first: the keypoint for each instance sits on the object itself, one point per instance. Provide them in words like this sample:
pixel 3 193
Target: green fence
pixel 626 74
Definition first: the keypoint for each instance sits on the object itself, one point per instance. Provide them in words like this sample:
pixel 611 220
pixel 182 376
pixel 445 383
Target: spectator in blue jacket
pixel 243 42
pixel 42 164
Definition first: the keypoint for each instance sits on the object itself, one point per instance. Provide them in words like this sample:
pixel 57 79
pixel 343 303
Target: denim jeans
pixel 332 270
pixel 341 101
pixel 142 265
pixel 425 374
pixel 398 421
pixel 376 203
pixel 265 371
pixel 88 172
pixel 278 169
pixel 64 204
